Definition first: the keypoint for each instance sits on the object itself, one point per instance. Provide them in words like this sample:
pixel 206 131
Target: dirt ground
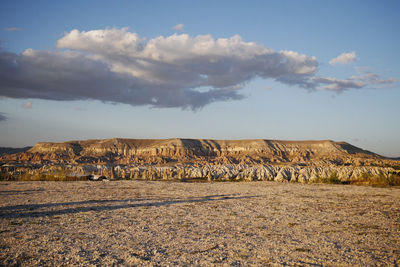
pixel 147 223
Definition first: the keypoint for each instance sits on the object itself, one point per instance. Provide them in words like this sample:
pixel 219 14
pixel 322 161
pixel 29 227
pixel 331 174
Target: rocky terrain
pixel 153 220
pixel 119 150
pixel 166 159
pixel 154 223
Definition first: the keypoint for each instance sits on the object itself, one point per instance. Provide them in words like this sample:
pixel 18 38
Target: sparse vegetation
pixel 4 176
pixel 194 180
pixel 333 178
pixel 59 175
pixel 392 179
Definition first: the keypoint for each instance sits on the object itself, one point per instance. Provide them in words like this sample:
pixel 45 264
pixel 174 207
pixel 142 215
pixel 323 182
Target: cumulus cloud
pixel 12 29
pixel 178 27
pixel 3 116
pixel 115 65
pixel 344 58
pixel 27 105
pixel 118 66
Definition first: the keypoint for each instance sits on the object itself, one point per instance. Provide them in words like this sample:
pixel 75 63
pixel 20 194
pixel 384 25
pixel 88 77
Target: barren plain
pixel 160 223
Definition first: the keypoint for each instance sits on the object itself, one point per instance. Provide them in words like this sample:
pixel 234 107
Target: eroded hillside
pixel 196 151
pixel 298 161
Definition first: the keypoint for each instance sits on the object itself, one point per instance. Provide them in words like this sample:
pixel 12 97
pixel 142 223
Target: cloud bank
pixel 118 66
pixel 344 58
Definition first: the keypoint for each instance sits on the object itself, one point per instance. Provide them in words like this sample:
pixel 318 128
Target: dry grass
pixel 58 176
pixel 333 178
pixel 393 179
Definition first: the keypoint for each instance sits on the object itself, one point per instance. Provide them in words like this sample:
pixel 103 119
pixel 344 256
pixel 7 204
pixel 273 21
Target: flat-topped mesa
pixel 67 148
pixel 257 150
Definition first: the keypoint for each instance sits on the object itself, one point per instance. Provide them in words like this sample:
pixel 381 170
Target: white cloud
pixel 27 105
pixel 118 66
pixel 12 29
pixel 178 27
pixel 344 58
pixel 194 61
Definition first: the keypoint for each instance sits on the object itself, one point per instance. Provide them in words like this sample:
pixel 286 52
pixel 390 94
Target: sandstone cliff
pixel 196 150
pixel 166 159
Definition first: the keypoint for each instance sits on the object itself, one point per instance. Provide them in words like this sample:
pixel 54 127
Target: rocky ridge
pixel 194 150
pixel 300 161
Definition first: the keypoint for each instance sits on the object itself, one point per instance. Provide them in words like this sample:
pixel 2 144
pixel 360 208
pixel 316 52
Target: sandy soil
pixel 203 224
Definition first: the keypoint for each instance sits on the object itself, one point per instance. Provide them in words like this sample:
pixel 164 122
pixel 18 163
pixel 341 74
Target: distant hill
pixel 175 158
pixel 202 147
pixel 12 150
pixel 203 151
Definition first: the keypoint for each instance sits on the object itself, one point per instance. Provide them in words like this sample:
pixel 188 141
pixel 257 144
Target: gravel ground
pixel 147 223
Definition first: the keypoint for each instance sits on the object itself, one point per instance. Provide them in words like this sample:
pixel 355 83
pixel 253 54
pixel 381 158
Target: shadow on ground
pixel 26 211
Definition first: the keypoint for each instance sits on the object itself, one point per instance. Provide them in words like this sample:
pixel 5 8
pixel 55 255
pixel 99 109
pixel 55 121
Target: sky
pixel 286 70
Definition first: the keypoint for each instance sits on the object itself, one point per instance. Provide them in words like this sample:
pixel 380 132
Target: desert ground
pixel 155 223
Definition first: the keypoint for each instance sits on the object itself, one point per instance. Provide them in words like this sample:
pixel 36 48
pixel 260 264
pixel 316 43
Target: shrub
pixel 333 178
pixel 391 179
pixel 59 175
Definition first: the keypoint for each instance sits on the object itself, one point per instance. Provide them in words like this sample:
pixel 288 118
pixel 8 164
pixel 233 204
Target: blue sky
pixel 145 79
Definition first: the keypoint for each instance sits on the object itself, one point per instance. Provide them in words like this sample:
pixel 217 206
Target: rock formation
pixel 194 150
pixel 300 161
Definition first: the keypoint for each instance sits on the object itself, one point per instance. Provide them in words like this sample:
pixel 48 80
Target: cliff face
pixel 197 150
pixel 301 161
